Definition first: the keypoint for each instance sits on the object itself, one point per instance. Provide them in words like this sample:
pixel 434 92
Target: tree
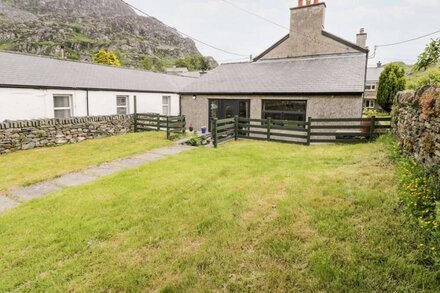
pixel 147 63
pixel 152 64
pixel 106 57
pixel 430 56
pixel 194 63
pixel 392 80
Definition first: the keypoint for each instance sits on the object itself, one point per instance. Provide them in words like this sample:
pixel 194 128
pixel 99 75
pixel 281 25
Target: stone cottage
pixel 308 73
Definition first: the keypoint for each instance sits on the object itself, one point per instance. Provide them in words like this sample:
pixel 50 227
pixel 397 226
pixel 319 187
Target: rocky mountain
pixel 82 27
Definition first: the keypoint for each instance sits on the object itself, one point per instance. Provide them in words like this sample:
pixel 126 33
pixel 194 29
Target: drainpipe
pixel 87 102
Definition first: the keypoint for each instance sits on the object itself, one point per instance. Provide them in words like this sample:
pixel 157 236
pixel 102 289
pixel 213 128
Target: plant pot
pixel 204 129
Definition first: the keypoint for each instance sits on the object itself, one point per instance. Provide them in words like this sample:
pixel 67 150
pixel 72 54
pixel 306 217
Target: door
pixel 224 109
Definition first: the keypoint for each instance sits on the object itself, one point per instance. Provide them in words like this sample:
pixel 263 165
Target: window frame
pixel 127 111
pixel 168 105
pixel 283 113
pixel 371 86
pixel 69 108
pixel 368 104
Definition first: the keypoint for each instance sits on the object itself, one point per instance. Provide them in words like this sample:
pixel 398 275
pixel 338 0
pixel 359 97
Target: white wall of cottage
pixel 26 104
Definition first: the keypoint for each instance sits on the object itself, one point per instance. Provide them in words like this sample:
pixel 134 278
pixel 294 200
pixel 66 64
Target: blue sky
pixel 222 25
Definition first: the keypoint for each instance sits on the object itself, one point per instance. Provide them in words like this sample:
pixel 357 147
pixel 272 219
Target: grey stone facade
pixel 417 124
pixel 318 106
pixel 307 36
pixel 25 135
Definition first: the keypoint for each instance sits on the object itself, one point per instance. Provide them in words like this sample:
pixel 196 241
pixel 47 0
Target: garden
pixel 249 216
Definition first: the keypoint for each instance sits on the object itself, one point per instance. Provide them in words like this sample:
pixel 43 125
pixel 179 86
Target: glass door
pixel 224 109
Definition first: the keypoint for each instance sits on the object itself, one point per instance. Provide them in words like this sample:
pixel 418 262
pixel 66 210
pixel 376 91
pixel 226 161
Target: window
pixel 284 110
pixel 122 105
pixel 166 107
pixel 62 105
pixel 371 86
pixel 370 104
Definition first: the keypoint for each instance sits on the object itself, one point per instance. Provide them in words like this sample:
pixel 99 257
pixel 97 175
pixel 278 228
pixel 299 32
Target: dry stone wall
pixel 416 124
pixel 25 135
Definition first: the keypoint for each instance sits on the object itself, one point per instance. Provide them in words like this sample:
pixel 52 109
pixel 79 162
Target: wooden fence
pixel 155 122
pixel 338 130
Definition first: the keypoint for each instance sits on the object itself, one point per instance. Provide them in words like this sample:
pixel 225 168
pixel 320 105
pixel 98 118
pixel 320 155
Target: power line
pixel 402 42
pixel 186 35
pixel 410 40
pixel 256 15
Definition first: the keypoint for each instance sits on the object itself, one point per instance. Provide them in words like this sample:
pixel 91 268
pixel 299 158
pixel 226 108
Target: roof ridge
pixel 86 63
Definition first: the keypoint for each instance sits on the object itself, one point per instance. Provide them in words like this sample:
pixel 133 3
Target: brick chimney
pixel 361 38
pixel 307 18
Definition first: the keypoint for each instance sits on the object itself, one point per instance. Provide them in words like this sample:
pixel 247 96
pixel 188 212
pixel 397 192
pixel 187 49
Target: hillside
pixel 83 27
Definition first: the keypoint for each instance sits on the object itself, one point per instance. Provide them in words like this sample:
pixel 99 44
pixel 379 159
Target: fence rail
pixel 337 130
pixel 156 122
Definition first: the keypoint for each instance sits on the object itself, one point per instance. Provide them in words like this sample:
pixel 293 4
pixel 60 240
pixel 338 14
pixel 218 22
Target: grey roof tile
pixel 373 73
pixel 27 70
pixel 343 73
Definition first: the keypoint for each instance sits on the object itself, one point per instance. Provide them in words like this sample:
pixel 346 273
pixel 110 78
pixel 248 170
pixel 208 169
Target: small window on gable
pixel 62 105
pixel 166 105
pixel 371 86
pixel 122 105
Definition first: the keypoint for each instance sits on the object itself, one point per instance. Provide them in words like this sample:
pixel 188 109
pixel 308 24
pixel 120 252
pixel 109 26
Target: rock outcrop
pixel 83 27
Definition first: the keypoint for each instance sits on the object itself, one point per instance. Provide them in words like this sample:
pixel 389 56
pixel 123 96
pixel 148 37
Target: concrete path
pixel 21 195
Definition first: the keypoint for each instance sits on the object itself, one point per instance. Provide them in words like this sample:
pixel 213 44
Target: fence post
pixel 135 114
pixel 269 122
pixel 214 127
pixel 236 128
pixel 168 128
pixel 158 122
pixel 309 130
pixel 183 125
pixel 372 127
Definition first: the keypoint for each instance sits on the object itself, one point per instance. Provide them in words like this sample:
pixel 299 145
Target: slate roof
pixel 342 73
pixel 373 73
pixel 24 70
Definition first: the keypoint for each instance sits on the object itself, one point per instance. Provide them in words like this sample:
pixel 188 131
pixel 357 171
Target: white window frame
pixel 70 107
pixel 371 86
pixel 370 104
pixel 166 105
pixel 124 106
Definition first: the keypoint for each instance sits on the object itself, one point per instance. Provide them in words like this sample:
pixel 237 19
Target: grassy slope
pixel 413 78
pixel 249 216
pixel 27 167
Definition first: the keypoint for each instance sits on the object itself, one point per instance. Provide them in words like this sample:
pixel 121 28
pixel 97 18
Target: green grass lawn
pixel 249 216
pixel 27 167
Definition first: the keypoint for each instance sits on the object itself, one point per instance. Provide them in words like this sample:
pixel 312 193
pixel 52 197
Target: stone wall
pixel 416 124
pixel 25 135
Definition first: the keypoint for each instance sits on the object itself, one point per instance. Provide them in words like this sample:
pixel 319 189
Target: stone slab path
pixel 21 195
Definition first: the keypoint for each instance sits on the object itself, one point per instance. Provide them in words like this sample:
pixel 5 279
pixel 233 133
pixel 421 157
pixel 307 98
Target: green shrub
pixel 420 195
pixel 392 80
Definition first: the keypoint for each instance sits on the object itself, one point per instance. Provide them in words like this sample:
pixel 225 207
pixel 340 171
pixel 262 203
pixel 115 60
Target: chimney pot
pixel 315 1
pixel 300 3
pixel 362 31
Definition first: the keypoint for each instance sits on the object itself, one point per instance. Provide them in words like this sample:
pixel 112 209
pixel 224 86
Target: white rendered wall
pixel 25 104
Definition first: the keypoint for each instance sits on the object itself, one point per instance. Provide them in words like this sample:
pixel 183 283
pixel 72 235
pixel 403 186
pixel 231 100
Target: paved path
pixel 18 196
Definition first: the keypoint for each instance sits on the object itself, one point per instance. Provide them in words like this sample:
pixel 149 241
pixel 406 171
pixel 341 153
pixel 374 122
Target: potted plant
pixel 204 129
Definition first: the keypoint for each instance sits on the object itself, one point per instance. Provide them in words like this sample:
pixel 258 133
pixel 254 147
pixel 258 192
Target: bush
pixel 106 57
pixel 392 80
pixel 420 195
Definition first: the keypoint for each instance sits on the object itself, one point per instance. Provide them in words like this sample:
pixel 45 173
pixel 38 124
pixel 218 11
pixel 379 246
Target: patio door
pixel 224 109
